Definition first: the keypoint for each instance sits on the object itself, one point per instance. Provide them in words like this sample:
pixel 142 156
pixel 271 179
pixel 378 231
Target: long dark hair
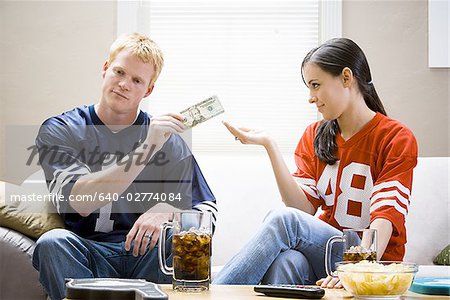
pixel 332 57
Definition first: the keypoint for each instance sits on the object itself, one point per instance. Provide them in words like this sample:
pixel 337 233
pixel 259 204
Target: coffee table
pixel 231 292
pixel 245 292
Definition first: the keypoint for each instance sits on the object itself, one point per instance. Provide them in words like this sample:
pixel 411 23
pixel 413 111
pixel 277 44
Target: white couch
pixel 245 189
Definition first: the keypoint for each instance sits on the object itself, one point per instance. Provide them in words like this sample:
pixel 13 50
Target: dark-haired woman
pixel 356 164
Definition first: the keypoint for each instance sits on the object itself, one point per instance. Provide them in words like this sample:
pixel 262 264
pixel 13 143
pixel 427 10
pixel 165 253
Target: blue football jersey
pixel 77 143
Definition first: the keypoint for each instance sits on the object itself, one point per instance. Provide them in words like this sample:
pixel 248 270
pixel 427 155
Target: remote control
pixel 291 291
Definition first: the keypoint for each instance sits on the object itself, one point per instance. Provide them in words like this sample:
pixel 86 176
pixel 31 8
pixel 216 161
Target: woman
pixel 356 164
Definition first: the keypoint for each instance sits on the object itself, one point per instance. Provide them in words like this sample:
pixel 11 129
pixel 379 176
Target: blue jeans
pixel 289 248
pixel 60 254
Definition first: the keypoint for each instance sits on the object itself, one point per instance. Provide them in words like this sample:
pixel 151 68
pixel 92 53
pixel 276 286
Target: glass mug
pixel 359 244
pixel 191 250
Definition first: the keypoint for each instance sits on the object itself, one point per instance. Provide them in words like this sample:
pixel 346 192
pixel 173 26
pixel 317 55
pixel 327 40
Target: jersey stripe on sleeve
pixel 391 184
pixel 61 178
pixel 308 186
pixel 397 196
pixel 208 206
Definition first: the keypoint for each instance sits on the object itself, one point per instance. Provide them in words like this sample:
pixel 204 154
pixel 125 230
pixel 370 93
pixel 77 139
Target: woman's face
pixel 329 93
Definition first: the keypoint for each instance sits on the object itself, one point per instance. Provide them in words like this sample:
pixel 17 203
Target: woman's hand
pixel 249 136
pixel 330 283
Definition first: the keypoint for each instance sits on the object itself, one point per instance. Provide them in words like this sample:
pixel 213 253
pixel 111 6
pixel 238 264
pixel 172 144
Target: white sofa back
pixel 245 188
pixel 428 222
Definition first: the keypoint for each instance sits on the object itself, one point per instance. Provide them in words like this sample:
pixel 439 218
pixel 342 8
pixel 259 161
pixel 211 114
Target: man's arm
pixel 117 178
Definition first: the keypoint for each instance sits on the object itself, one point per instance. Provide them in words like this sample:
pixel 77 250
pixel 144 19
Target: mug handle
pixel 328 247
pixel 162 248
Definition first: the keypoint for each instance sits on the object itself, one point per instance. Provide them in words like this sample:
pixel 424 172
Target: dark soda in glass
pixel 191 255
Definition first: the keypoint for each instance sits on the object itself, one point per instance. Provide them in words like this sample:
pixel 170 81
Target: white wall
pixel 394 37
pixel 51 58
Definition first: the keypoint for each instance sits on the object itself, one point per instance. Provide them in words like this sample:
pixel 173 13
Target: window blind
pixel 248 53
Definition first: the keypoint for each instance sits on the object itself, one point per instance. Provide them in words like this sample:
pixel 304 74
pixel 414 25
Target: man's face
pixel 126 82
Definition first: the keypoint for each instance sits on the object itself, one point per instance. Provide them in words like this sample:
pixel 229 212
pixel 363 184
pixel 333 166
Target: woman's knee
pixel 285 215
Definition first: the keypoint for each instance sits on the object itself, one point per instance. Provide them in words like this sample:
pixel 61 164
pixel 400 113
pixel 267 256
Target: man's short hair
pixel 143 47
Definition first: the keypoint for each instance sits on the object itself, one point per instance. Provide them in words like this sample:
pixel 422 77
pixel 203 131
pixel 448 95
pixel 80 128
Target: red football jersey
pixel 371 179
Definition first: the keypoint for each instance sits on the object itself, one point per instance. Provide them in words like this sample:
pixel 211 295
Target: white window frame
pixel 330 26
pixel 330 18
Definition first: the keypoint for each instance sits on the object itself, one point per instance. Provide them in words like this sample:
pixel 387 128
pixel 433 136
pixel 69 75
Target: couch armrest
pixel 18 278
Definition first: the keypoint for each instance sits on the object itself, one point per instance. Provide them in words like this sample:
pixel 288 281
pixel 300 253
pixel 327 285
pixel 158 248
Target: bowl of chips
pixel 376 280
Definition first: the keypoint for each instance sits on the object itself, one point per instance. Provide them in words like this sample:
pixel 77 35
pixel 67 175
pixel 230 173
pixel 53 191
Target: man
pixel 115 169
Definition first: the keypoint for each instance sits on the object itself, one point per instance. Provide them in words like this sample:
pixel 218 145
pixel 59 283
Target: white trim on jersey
pixel 60 175
pixel 389 202
pixel 390 184
pixel 399 198
pixel 308 185
pixel 63 176
pixel 390 194
pixel 208 206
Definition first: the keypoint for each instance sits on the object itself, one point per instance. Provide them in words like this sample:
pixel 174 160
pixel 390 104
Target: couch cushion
pixel 443 258
pixel 32 218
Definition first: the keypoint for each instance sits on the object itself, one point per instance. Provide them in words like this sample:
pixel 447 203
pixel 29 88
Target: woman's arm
pixel 291 194
pixel 384 231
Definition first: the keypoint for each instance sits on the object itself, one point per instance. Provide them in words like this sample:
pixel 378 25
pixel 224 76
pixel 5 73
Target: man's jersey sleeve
pixel 202 196
pixel 59 159
pixel 305 175
pixel 392 190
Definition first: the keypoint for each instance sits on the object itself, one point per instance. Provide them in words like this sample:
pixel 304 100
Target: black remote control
pixel 291 291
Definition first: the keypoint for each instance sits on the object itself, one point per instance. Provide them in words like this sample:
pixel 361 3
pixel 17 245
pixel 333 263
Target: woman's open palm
pixel 247 135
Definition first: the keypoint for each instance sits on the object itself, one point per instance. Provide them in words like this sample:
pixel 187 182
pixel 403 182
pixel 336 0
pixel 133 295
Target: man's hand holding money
pixel 161 127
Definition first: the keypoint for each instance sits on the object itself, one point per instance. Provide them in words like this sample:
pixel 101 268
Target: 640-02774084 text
pixel 139 197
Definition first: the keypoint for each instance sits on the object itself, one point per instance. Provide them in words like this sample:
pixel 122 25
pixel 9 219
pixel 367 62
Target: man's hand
pixel 146 226
pixel 161 127
pixel 330 283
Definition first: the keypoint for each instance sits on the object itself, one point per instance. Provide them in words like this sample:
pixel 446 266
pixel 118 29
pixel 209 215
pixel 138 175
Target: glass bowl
pixel 376 280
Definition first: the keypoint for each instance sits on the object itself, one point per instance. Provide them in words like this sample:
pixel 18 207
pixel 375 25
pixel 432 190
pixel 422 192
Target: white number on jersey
pixel 348 193
pixel 104 222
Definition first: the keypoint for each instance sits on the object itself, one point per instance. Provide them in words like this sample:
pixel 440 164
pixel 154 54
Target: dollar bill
pixel 202 111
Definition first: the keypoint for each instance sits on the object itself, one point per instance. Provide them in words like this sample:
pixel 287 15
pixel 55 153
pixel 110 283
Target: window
pixel 248 53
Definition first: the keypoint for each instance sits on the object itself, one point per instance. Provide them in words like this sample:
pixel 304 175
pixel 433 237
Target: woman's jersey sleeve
pixel 391 192
pixel 305 175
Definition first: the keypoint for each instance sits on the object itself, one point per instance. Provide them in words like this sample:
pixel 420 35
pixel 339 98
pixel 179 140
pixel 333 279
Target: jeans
pixel 289 248
pixel 61 254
